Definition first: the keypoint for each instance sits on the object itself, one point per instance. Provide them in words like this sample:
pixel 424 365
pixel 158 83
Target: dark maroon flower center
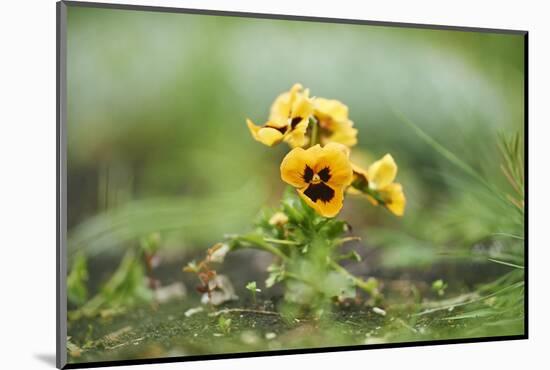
pixel 317 188
pixel 294 122
pixel 309 175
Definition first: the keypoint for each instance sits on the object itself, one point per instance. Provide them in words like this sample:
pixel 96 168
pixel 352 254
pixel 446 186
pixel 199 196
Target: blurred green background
pixel 157 139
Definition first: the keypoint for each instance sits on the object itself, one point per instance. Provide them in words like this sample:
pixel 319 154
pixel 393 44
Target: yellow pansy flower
pixel 288 119
pixel 376 183
pixel 320 176
pixel 334 124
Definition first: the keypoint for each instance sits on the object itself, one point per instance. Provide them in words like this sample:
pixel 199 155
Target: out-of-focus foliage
pixel 157 104
pixel 123 290
pixel 77 292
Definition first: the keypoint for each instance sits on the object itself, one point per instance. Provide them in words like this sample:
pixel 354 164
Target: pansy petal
pixel 296 137
pixel 382 172
pixel 281 125
pixel 359 172
pixel 266 135
pixel 360 183
pixel 313 153
pixel 343 133
pixel 269 136
pixel 394 199
pixel 253 128
pixel 333 119
pixel 328 207
pixel 334 156
pixel 330 109
pixel 281 109
pixel 302 108
pixel 293 167
pixel 297 87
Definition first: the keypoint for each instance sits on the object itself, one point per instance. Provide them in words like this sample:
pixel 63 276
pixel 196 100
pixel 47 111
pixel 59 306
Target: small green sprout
pixel 439 287
pixel 224 324
pixel 77 290
pixel 150 243
pixel 251 286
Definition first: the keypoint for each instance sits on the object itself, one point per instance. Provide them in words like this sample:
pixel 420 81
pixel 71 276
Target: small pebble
pixel 374 340
pixel 249 337
pixel 192 311
pixel 270 336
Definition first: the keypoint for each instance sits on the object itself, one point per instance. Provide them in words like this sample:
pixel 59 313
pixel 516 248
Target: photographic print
pixel 239 185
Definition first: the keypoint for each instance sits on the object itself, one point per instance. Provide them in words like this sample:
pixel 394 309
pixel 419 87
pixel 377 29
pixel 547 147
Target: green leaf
pixel 77 292
pixel 337 285
pixel 252 287
pixel 276 274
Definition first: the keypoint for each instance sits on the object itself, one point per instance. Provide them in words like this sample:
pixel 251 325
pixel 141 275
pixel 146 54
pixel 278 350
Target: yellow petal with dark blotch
pixel 297 137
pixel 281 108
pixel 359 172
pixel 282 125
pixel 269 136
pixel 266 135
pixel 382 172
pixel 293 166
pixel 301 107
pixel 359 182
pixel 294 103
pixel 394 198
pixel 326 208
pixel 334 156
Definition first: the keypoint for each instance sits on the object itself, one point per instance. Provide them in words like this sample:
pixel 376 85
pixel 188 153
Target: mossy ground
pixel 152 331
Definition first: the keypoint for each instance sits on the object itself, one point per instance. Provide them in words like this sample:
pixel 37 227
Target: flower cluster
pixel 321 136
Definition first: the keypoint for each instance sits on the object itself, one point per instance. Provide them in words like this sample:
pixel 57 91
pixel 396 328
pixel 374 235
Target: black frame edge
pixel 526 176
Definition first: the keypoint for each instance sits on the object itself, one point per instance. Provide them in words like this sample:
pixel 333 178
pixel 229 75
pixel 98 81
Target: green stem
pixel 314 140
pixel 364 187
pixel 262 245
pixel 299 278
pixel 279 241
pixel 357 281
pixel 342 241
